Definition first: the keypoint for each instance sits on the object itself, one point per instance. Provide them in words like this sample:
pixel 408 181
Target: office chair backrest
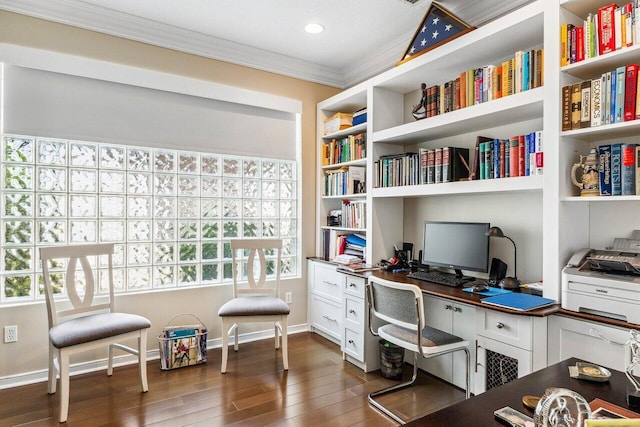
pixel 397 303
pixel 256 273
pixel 80 285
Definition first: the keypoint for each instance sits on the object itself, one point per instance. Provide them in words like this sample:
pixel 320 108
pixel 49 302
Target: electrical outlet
pixel 11 333
pixel 288 297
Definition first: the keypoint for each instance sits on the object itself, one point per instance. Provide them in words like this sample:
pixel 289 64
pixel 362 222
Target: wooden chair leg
pixel 64 386
pixel 276 332
pixel 142 359
pixel 53 370
pixel 225 346
pixel 285 348
pixel 235 338
pixel 110 361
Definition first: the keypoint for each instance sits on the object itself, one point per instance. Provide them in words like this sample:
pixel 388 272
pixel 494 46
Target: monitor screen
pixel 456 245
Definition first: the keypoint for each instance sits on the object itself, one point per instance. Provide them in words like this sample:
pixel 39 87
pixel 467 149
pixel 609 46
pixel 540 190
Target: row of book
pixel 477 85
pixel 354 214
pixel 619 169
pixel 336 243
pixel 610 28
pixel 343 181
pixel 518 155
pixel 610 98
pixel 350 148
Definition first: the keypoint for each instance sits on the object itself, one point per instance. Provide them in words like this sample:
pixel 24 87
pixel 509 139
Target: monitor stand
pixel 461 276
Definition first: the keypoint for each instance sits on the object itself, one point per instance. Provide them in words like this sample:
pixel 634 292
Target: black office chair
pixel 401 305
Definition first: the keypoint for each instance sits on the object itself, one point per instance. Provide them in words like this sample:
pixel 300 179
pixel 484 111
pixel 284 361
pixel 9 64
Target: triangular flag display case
pixel 438 27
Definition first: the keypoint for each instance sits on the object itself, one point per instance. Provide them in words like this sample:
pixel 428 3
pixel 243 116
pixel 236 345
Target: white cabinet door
pixel 499 363
pixel 588 341
pixel 457 319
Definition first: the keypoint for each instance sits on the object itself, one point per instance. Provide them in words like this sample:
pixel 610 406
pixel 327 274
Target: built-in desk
pixel 478 411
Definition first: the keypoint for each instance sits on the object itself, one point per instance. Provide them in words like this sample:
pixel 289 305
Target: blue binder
pixel 518 301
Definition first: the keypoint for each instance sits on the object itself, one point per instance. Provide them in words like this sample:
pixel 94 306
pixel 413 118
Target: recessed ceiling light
pixel 313 28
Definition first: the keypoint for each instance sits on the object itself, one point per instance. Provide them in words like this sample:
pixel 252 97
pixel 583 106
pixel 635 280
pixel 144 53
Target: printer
pixel 604 282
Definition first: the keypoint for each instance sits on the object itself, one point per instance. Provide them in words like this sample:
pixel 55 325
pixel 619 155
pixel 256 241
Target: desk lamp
pixel 507 282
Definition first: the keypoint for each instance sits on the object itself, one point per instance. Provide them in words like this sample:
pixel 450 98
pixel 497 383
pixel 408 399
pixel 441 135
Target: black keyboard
pixel 437 277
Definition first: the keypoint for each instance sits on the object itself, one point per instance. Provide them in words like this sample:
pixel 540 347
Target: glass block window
pixel 170 213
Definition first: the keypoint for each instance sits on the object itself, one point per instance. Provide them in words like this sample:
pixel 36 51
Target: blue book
pixel 616 169
pixel 496 158
pixel 518 301
pixel 612 97
pixel 619 94
pixel 527 144
pixel 604 169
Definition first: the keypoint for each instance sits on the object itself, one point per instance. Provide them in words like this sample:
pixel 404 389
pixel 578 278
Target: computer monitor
pixel 456 245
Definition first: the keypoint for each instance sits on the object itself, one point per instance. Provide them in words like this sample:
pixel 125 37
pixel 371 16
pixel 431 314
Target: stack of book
pixel 337 122
pixel 610 98
pixel 606 30
pixel 337 243
pixel 343 181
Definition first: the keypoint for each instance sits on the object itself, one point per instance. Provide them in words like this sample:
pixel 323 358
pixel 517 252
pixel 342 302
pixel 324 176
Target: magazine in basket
pixel 183 345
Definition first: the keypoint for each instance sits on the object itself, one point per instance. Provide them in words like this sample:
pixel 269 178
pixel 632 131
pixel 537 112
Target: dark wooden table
pixel 478 410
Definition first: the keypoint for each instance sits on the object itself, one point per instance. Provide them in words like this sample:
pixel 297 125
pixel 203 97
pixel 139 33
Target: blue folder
pixel 489 292
pixel 518 301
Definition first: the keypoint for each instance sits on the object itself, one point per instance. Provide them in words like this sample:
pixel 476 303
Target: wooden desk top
pixel 478 410
pixel 457 294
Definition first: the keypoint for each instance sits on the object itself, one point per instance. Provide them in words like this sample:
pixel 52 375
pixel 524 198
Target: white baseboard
pixel 128 359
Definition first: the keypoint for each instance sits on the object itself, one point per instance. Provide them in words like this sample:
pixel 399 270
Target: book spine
pixel 506 158
pixel 446 164
pixel 604 169
pixel 576 95
pixel 631 81
pixel 423 166
pixel 431 166
pixel 579 44
pixel 637 170
pixel 566 108
pixel 628 172
pixel 495 167
pixel 596 107
pixel 606 29
pixel 606 98
pixel 514 149
pixel 438 166
pixel 620 85
pixel 521 157
pixel 487 160
pixel 612 96
pixel 481 160
pixel 526 156
pixel 585 104
pixel 616 169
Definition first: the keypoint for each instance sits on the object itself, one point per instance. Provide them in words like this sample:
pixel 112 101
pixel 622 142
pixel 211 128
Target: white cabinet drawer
pixel 326 316
pixel 327 281
pixel 354 285
pixel 508 328
pixel 354 313
pixel 353 344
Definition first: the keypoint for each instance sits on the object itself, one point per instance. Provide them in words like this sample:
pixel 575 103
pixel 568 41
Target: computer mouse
pixel 479 287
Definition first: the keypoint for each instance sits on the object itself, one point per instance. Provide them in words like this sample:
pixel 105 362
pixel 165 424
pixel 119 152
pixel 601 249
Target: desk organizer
pixel 183 345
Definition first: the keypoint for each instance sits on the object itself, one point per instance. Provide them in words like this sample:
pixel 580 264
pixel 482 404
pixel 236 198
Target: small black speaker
pixel 497 272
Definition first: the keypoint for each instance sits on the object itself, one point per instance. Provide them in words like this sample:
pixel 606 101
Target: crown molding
pixel 99 19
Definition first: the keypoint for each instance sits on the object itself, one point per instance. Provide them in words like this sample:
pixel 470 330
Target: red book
pixel 521 158
pixel 630 87
pixel 579 44
pixel 606 29
pixel 514 155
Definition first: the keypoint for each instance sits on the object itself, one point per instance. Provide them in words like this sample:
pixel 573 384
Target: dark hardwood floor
pixel 320 389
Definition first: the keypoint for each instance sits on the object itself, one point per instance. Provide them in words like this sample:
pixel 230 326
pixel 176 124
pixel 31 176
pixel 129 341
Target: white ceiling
pixel 361 38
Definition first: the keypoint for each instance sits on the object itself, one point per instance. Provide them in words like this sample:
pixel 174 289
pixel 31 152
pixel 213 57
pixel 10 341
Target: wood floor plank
pixel 320 389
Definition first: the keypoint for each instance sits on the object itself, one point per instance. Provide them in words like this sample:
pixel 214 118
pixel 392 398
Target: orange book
pixel 498 85
pixel 514 155
pixel 463 89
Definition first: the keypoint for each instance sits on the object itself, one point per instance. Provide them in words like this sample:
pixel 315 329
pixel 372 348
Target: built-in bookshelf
pixel 593 221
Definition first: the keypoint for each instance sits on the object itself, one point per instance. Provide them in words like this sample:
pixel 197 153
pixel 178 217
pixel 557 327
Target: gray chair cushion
pixel 431 337
pixel 254 306
pixel 94 327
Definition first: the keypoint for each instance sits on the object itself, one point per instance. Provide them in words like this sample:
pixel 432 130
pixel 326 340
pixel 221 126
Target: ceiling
pixel 361 38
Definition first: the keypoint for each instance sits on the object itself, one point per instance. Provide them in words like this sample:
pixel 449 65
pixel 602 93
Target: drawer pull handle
pixel 448 307
pixel 499 325
pixel 330 319
pixel 457 309
pixel 596 333
pixel 329 283
pixel 352 311
pixel 351 342
pixel 353 285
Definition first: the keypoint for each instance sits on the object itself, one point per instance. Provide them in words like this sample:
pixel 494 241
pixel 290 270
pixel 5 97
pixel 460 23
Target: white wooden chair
pixel 401 306
pixel 256 300
pixel 91 320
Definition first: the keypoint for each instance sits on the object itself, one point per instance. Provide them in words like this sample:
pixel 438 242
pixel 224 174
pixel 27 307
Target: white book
pixel 596 107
